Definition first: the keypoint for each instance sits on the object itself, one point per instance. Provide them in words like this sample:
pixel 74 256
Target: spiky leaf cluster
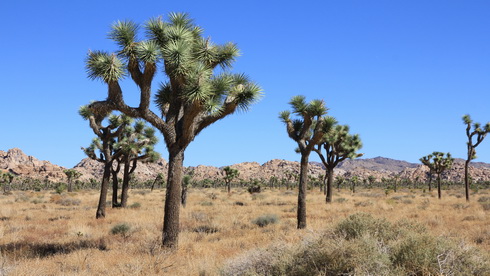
pixel 338 143
pixel 192 97
pixel 309 126
pixel 137 142
pixel 475 133
pixel 437 162
pixel 230 174
pixel 72 174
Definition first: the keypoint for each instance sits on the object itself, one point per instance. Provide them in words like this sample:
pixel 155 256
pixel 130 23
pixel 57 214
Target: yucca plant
pixel 192 98
pixel 438 163
pixel 307 131
pixel 338 145
pixel 103 149
pixel 475 137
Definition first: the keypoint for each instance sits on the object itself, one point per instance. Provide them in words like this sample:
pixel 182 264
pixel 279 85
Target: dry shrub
pixel 364 245
pixel 27 249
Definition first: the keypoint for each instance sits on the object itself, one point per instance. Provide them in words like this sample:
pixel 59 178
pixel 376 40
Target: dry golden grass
pixel 42 233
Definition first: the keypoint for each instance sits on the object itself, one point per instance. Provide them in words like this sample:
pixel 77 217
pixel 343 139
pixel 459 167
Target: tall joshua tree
pixel 437 163
pixel 338 145
pixel 230 174
pixel 72 175
pixel 307 131
pixel 136 143
pixel 104 144
pixel 191 99
pixel 477 133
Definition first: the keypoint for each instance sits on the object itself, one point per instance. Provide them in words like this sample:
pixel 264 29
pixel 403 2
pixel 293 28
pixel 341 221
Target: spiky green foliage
pixel 192 98
pixel 438 163
pixel 475 137
pixel 475 133
pixel 307 129
pixel 230 175
pixel 338 145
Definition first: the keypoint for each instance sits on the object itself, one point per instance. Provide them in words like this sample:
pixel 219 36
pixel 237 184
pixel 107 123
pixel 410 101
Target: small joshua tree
pixel 136 144
pixel 340 180
pixel 307 131
pixel 72 175
pixel 230 175
pixel 6 178
pixel 478 133
pixel 338 145
pixel 437 163
pixel 186 183
pixel 104 143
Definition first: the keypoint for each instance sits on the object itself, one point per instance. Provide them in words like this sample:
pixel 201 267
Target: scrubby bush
pixel 135 205
pixel 122 229
pixel 364 245
pixel 265 220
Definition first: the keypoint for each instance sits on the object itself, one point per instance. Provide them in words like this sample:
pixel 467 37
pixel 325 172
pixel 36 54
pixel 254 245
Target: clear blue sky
pixel 400 73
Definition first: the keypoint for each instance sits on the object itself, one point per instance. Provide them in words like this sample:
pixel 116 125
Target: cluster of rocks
pixel 17 162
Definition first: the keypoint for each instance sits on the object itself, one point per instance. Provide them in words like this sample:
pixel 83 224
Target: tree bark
pixel 184 195
pixel 125 185
pixel 467 180
pixel 173 198
pixel 329 185
pixel 115 186
pixel 229 187
pixel 439 186
pixel 430 181
pixel 103 191
pixel 70 186
pixel 303 178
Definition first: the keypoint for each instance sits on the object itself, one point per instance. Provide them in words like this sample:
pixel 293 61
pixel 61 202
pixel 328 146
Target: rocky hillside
pixel 18 163
pixel 15 161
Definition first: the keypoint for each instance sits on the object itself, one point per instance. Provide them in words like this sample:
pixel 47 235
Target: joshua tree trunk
pixel 467 180
pixel 430 181
pixel 184 195
pixel 115 186
pixel 439 186
pixel 325 178
pixel 103 191
pixel 303 178
pixel 125 185
pixel 173 197
pixel 229 187
pixel 329 185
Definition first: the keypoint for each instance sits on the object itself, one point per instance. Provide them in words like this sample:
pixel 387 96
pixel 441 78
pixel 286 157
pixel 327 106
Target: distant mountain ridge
pixel 17 162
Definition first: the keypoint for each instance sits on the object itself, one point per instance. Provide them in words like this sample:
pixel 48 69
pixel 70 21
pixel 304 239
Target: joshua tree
pixel 6 178
pixel 104 143
pixel 371 179
pixel 136 144
pixel 338 145
pixel 158 179
pixel 307 131
pixel 230 174
pixel 72 175
pixel 354 180
pixel 340 179
pixel 192 99
pixel 478 133
pixel 186 183
pixel 438 164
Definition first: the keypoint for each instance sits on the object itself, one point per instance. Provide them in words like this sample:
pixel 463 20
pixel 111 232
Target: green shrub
pixel 265 220
pixel 122 229
pixel 135 205
pixel 60 188
pixel 364 245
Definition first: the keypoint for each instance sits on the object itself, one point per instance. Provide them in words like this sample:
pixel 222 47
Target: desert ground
pixel 45 233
